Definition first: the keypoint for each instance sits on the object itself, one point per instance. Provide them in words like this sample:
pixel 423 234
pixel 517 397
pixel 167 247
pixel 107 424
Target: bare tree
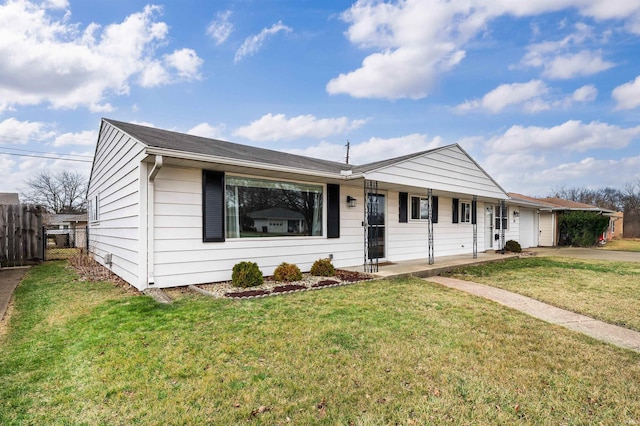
pixel 63 192
pixel 631 197
pixel 606 198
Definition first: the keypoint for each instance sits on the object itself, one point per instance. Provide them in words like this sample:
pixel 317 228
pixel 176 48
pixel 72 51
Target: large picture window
pixel 266 208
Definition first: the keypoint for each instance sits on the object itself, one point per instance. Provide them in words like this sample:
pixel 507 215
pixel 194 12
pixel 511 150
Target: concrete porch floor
pixel 421 268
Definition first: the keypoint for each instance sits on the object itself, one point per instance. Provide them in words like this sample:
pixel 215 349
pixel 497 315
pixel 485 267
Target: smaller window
pixel 502 218
pixel 465 209
pixel 419 208
pixel 94 207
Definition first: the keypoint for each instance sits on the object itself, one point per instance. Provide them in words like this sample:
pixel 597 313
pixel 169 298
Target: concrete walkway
pixel 612 334
pixel 9 280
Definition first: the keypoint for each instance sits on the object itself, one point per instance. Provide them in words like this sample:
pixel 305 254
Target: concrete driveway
pixel 588 253
pixel 9 280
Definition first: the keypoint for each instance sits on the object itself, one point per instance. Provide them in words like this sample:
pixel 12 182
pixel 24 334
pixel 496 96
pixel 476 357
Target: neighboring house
pixel 73 227
pixel 275 220
pixel 9 198
pixel 169 209
pixel 544 220
pixel 616 226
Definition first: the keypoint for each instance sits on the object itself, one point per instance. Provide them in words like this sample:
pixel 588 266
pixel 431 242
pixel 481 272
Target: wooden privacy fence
pixel 21 234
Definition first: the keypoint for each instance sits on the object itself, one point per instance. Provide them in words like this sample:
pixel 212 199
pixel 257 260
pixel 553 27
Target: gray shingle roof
pixel 166 139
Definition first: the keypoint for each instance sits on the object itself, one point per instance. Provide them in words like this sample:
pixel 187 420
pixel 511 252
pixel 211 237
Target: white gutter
pixel 151 220
pixel 244 163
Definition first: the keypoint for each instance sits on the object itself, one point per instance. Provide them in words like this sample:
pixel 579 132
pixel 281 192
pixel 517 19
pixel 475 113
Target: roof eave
pixel 245 163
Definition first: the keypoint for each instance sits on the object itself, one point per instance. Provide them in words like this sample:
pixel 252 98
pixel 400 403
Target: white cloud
pixel 35 140
pixel 570 136
pixel 186 62
pixel 606 172
pixel 272 127
pixel 154 74
pixel 20 171
pixel 87 137
pixel 559 59
pixel 534 174
pixel 14 131
pixel 415 41
pixel 374 149
pixel 579 64
pixel 627 95
pixel 207 131
pixel 532 160
pixel 253 43
pixel 528 94
pixel 587 93
pixel 51 60
pixel 220 29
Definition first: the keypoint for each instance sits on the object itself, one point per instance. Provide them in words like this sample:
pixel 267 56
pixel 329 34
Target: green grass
pixel 608 291
pixel 385 352
pixel 627 244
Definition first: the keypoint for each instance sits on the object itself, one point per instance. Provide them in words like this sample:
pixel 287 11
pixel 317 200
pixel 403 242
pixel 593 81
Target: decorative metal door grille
pixel 503 216
pixel 475 225
pixel 371 228
pixel 430 226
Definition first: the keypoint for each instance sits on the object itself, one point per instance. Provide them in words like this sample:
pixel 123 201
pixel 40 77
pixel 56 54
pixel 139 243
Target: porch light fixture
pixel 516 214
pixel 351 202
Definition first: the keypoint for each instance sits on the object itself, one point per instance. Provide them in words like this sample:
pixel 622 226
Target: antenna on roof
pixel 348 145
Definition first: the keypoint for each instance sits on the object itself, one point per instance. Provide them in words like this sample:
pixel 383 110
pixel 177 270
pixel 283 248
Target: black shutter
pixel 474 212
pixel 454 207
pixel 333 210
pixel 434 209
pixel 403 207
pixel 212 206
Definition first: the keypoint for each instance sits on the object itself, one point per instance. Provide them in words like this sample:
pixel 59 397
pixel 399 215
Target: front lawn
pixel 382 352
pixel 626 244
pixel 608 291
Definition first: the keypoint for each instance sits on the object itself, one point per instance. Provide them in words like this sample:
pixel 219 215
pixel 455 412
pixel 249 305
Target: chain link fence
pixel 61 244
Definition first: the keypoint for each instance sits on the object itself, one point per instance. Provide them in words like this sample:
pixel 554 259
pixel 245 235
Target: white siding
pixel 447 169
pixel 407 241
pixel 182 258
pixel 115 180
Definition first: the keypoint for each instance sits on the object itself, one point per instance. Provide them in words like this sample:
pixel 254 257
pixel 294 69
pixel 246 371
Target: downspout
pixel 151 220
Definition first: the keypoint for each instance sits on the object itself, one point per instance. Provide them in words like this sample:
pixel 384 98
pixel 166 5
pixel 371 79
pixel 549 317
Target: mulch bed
pixel 288 287
pixel 325 283
pixel 341 278
pixel 248 293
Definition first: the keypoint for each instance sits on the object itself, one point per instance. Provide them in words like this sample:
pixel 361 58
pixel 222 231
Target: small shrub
pixel 246 274
pixel 512 246
pixel 287 272
pixel 323 268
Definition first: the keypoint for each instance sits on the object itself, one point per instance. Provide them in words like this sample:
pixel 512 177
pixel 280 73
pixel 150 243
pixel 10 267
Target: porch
pixel 421 268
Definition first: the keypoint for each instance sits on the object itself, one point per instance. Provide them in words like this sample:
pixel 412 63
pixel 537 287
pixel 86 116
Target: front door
pixel 376 230
pixel 488 227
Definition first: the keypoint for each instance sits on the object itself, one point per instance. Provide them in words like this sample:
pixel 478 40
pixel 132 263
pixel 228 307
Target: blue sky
pixel 543 93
